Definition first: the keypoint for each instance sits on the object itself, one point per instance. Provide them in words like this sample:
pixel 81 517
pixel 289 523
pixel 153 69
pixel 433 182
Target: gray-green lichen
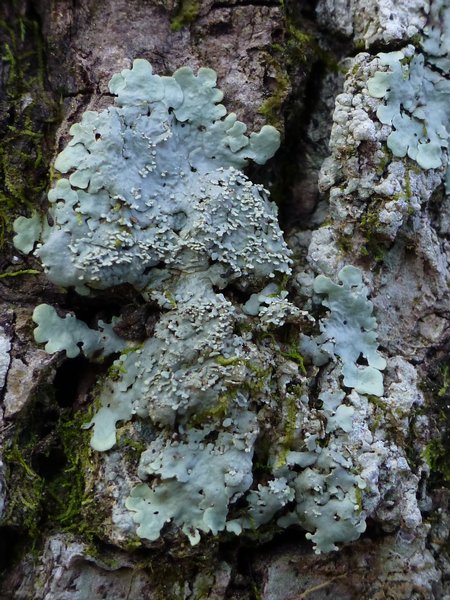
pixel 154 197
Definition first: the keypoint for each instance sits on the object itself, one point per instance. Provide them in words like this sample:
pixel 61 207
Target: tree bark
pixel 343 198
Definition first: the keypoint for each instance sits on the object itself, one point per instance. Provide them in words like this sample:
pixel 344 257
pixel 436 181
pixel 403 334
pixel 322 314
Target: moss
pixel 380 413
pixel 170 299
pixel 345 243
pixel 226 362
pixel 132 544
pixel 48 462
pixel 384 162
pixel 436 387
pixel 219 410
pixel 298 50
pixel 256 592
pixel 116 371
pixel 436 455
pixel 188 11
pixel 290 427
pixel 294 355
pixel 26 125
pixel 355 69
pixel 408 190
pixel 254 384
pixel 20 272
pixel 25 487
pixel 378 402
pixel 258 380
pixel 374 247
pixel 443 390
pixel 67 488
pixel 271 108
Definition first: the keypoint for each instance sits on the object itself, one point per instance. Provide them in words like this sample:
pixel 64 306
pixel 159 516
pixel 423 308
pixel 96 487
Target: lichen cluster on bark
pixel 344 199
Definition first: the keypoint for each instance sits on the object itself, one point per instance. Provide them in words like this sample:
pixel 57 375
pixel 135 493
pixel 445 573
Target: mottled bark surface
pixel 280 62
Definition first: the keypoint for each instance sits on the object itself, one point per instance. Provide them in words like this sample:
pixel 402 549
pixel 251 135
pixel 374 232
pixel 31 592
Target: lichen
pixel 109 226
pixel 348 332
pixel 153 196
pixel 416 93
pixel 416 107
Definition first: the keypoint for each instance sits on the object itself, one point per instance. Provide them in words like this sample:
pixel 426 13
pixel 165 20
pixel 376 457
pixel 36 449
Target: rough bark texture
pixel 343 199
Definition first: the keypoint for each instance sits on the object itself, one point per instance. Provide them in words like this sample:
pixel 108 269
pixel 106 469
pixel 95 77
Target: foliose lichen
pixel 166 137
pixel 154 197
pixel 348 332
pixel 416 92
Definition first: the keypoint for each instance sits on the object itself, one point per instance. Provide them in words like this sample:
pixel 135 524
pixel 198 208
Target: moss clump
pixel 20 272
pixel 25 488
pixel 298 51
pixel 436 455
pixel 295 52
pixel 219 410
pixel 67 487
pixel 48 461
pixel 445 375
pixel 290 427
pixel 226 362
pixel 345 243
pixel 271 108
pixel 188 11
pixel 27 113
pixel 436 387
pixel 374 248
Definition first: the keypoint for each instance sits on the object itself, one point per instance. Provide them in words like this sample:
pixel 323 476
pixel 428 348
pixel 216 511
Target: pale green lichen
pixel 154 197
pixel 170 137
pixel 416 93
pixel 348 332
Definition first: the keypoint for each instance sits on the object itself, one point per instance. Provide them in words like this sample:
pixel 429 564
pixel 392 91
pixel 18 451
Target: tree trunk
pixel 359 182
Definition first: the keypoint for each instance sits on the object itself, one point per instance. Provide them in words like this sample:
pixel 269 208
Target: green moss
pixel 380 412
pixel 48 463
pixel 24 130
pixel 374 247
pixel 67 488
pixel 298 50
pixel 226 362
pixel 359 498
pixel 21 272
pixel 436 455
pixel 255 383
pixel 408 190
pixel 345 243
pixel 294 355
pixel 25 488
pixel 256 592
pixel 132 544
pixel 289 429
pixel 384 162
pixel 443 390
pixel 436 387
pixel 116 371
pixel 188 11
pixel 219 410
pixel 258 380
pixel 170 299
pixel 271 108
